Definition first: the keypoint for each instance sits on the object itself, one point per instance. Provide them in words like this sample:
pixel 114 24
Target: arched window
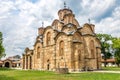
pixel 92 51
pixel 38 52
pixel 48 38
pixel 61 48
pixel 77 37
pixel 56 25
pixel 60 16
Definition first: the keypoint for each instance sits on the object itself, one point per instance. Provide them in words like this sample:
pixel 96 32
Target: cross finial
pixel 68 8
pixel 64 4
pixel 89 20
pixel 42 24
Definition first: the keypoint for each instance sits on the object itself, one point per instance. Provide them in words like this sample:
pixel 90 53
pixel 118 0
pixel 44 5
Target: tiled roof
pixel 1 62
pixel 108 60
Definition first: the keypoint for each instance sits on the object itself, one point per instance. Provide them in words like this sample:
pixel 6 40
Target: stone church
pixel 64 44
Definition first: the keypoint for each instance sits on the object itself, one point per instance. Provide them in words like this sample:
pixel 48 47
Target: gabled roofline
pixel 68 24
pixel 89 26
pixel 56 20
pixel 48 27
pixel 59 34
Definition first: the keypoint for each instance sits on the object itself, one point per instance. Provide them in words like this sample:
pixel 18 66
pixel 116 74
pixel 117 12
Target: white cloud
pixel 116 12
pixel 110 24
pixel 19 19
pixel 94 9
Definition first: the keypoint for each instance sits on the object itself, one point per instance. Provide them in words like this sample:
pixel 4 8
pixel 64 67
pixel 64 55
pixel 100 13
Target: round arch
pixel 7 64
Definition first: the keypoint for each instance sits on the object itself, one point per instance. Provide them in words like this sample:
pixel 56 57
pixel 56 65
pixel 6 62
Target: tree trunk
pixel 118 65
pixel 105 62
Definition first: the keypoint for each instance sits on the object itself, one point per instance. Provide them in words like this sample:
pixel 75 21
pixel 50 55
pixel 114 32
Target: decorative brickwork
pixel 64 45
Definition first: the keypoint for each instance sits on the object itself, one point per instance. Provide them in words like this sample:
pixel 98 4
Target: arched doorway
pixel 7 64
pixel 48 64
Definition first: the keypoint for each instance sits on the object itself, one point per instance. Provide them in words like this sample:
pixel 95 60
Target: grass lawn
pixel 7 74
pixel 111 68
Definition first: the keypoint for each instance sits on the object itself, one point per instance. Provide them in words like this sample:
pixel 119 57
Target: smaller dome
pixel 40 30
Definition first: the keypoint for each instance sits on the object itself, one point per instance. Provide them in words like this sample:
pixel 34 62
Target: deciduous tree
pixel 2 49
pixel 116 48
pixel 105 45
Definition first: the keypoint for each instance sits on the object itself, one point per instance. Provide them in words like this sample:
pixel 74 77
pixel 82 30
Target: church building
pixel 64 44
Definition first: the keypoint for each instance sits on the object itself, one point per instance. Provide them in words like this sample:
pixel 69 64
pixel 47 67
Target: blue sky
pixel 20 19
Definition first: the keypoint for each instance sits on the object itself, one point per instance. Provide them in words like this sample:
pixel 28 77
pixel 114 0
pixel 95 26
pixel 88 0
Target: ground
pixel 111 68
pixel 8 74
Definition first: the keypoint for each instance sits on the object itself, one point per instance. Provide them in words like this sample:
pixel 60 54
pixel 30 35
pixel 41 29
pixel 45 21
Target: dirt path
pixel 98 71
pixel 108 71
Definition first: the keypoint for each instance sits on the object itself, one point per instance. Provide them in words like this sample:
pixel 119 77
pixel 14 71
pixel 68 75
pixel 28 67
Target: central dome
pixel 63 12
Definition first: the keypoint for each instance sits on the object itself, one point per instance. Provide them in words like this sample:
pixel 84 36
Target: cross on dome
pixel 64 4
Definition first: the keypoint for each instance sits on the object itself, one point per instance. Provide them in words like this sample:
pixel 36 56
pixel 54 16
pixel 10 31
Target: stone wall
pixel 64 45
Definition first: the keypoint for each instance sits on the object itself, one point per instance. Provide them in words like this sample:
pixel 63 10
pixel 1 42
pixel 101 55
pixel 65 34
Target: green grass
pixel 111 68
pixel 8 74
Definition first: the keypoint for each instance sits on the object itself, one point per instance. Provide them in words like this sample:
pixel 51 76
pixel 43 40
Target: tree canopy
pixel 105 45
pixel 116 48
pixel 2 49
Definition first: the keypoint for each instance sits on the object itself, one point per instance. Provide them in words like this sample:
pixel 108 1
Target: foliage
pixel 47 75
pixel 17 56
pixel 2 50
pixel 116 47
pixel 105 45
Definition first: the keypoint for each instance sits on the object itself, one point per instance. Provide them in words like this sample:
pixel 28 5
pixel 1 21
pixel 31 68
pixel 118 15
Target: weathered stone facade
pixel 64 44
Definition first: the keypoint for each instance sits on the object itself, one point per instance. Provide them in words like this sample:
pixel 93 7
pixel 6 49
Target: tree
pixel 17 56
pixel 105 45
pixel 2 49
pixel 116 48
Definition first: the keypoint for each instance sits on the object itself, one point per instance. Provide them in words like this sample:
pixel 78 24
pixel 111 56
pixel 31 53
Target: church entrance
pixel 7 64
pixel 48 64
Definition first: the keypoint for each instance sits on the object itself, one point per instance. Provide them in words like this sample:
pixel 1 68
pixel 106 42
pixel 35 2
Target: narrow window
pixel 38 52
pixel 61 48
pixel 48 38
pixel 92 49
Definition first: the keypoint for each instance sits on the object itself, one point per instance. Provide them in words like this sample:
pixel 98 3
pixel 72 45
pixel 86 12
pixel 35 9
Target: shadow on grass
pixel 3 77
pixel 6 69
pixel 3 68
pixel 111 68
